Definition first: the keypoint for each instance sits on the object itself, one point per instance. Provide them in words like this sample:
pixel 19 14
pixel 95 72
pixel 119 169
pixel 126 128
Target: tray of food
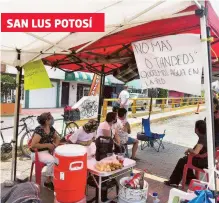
pixel 108 167
pixel 109 164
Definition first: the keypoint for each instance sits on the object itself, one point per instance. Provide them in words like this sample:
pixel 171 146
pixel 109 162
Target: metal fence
pixel 158 104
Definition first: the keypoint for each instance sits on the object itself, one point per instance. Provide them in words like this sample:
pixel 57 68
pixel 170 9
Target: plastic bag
pixel 91 149
pixel 203 196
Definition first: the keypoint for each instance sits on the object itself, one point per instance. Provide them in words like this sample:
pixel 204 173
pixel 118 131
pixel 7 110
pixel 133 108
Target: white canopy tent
pixel 20 48
pixel 119 15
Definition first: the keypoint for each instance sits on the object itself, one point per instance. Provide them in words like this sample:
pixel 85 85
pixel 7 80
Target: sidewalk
pixel 179 136
pixel 28 112
pixel 158 165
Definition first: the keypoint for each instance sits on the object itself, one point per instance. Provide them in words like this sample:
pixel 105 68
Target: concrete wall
pixel 43 98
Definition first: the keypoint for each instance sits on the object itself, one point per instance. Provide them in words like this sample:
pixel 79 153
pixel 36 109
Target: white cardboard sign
pixel 172 62
pixel 88 106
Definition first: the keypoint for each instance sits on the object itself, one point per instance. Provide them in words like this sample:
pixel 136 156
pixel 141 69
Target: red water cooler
pixel 70 173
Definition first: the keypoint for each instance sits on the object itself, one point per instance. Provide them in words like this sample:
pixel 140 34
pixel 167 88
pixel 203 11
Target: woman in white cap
pixel 85 136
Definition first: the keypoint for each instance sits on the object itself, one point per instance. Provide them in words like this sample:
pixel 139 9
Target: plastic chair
pixel 38 166
pixel 197 170
pixel 177 195
pixel 148 138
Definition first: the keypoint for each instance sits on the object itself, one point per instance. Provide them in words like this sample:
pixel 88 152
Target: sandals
pixel 135 158
pixel 168 183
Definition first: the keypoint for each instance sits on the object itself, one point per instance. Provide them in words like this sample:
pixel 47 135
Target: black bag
pixel 119 148
pixel 71 115
pixel 104 146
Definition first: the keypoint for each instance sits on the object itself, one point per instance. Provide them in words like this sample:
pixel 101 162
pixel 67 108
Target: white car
pixel 139 103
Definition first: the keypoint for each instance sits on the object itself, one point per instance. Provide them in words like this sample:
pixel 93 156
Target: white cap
pixel 70 150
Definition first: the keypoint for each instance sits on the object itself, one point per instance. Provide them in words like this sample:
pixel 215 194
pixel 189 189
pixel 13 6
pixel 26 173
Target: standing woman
pixel 45 139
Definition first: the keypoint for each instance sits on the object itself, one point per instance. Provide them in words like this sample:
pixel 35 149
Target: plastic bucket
pixel 127 195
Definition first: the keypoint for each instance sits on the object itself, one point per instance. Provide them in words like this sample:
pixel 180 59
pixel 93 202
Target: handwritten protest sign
pixel 35 76
pixel 171 62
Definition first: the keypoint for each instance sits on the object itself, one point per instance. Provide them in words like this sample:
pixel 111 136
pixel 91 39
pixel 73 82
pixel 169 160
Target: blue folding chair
pixel 148 138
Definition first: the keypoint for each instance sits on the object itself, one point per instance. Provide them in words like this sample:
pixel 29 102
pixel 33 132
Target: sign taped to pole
pixel 95 86
pixel 36 76
pixel 172 62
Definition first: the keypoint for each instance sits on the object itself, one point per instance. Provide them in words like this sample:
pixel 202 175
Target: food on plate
pixel 108 167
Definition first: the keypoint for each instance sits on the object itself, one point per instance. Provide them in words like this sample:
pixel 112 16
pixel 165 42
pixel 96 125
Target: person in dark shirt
pixel 45 139
pixel 200 148
pixel 216 120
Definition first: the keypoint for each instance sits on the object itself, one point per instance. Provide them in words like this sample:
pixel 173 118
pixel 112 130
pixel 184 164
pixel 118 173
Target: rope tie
pixel 209 39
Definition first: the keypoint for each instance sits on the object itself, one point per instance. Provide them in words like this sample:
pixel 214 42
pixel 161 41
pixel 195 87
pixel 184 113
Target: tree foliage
pixel 8 83
pixel 163 93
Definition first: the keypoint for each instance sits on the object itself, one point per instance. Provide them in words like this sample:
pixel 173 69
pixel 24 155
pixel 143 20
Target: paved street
pixel 179 136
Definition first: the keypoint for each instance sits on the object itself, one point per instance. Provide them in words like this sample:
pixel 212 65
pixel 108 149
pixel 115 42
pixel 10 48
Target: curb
pixel 158 111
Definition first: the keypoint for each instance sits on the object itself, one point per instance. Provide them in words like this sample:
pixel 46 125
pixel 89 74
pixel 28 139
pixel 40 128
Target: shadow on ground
pixel 158 164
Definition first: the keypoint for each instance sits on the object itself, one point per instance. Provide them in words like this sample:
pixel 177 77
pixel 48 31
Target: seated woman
pixel 124 130
pixel 104 145
pixel 45 139
pixel 105 128
pixel 85 136
pixel 200 148
pixel 216 120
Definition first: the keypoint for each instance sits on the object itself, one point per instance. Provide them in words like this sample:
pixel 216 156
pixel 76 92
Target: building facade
pixel 68 88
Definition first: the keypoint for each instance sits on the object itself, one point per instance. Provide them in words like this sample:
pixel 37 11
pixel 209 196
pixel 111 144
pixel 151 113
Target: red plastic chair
pixel 197 170
pixel 38 167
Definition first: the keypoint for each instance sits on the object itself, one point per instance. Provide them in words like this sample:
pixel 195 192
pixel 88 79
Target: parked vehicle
pixel 139 103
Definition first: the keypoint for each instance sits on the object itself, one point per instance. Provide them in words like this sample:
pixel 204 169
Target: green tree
pixel 162 93
pixel 8 83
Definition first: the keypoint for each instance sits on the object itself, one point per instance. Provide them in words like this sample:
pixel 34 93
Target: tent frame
pixel 205 33
pixel 16 118
pixel 206 46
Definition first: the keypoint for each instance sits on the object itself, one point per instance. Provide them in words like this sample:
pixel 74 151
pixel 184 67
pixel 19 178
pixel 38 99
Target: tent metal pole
pixel 102 83
pixel 197 4
pixel 34 52
pixel 16 119
pixel 187 13
pixel 206 47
